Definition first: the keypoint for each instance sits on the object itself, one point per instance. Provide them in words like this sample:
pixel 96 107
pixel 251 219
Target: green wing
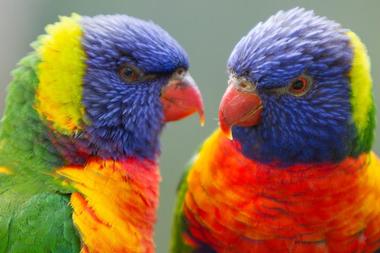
pixel 36 222
pixel 35 215
pixel 178 244
pixel 179 227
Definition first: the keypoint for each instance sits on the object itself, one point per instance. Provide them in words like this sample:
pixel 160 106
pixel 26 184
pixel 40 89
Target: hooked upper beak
pixel 239 107
pixel 181 98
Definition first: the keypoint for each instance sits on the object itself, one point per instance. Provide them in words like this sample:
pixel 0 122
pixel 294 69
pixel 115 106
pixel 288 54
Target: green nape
pixel 35 215
pixel 24 145
pixel 364 140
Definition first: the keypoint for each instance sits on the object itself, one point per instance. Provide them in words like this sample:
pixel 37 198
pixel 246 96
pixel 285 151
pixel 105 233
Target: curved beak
pixel 239 108
pixel 181 98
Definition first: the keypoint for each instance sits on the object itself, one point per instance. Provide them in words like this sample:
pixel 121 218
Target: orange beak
pixel 239 108
pixel 181 98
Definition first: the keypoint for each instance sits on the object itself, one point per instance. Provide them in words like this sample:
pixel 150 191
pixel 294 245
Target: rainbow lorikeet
pixel 79 139
pixel 299 174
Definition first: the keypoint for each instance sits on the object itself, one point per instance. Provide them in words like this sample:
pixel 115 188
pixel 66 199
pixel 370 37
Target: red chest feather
pixel 238 205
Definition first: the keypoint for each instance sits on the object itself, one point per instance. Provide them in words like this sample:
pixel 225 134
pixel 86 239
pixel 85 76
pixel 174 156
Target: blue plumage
pixel 126 117
pixel 123 119
pixel 116 39
pixel 316 127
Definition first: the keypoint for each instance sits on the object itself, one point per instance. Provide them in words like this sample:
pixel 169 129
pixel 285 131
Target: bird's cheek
pixel 239 108
pixel 181 98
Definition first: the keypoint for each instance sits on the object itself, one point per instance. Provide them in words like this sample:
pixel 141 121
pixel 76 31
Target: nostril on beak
pixel 246 86
pixel 179 74
pixel 243 85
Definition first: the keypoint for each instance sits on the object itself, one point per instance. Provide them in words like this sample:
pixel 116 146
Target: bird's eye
pixel 129 73
pixel 299 86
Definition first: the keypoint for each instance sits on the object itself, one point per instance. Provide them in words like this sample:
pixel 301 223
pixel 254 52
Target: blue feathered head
pixel 108 84
pixel 292 88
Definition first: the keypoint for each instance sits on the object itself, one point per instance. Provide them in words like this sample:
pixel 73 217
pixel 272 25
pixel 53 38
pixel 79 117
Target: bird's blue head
pixel 133 78
pixel 295 88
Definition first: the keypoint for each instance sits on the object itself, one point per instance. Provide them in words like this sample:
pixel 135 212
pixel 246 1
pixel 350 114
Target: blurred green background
pixel 208 31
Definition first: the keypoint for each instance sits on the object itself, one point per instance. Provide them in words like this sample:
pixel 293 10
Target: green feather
pixel 35 215
pixel 364 140
pixel 179 226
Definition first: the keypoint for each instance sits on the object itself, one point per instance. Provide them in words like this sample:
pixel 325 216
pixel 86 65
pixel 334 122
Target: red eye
pixel 299 86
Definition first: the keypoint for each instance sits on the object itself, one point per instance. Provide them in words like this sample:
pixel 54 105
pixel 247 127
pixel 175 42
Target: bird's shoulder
pixel 35 221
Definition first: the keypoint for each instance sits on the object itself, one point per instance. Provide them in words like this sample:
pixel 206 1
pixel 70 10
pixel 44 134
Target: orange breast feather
pixel 237 205
pixel 115 206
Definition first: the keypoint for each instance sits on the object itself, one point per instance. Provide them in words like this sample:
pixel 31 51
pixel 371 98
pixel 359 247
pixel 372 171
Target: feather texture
pixel 60 72
pixel 234 204
pixel 115 206
pixel 300 177
pixel 79 143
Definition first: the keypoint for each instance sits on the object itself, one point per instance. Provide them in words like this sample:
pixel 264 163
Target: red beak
pixel 239 108
pixel 181 98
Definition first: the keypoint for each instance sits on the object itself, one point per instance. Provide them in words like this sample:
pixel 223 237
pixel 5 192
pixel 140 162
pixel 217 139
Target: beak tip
pixel 224 125
pixel 229 135
pixel 226 130
pixel 202 118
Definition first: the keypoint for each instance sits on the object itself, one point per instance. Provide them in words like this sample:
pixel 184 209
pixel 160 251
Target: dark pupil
pixel 128 72
pixel 298 85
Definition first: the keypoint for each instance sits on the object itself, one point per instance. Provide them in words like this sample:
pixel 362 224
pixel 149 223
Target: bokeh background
pixel 208 31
